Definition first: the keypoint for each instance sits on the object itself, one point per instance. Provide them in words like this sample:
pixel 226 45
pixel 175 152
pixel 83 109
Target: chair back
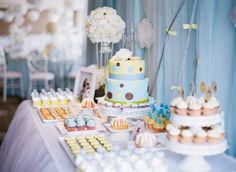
pixel 3 65
pixel 37 63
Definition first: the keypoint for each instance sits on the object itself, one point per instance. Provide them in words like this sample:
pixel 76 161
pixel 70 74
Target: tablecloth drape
pixel 31 146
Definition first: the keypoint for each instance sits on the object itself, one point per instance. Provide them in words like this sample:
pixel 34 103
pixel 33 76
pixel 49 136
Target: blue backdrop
pixel 216 44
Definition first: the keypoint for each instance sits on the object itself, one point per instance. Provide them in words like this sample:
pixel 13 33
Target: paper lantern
pixel 33 15
pixel 144 34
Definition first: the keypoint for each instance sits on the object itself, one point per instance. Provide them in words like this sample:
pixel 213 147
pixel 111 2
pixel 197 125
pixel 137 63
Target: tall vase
pixel 103 52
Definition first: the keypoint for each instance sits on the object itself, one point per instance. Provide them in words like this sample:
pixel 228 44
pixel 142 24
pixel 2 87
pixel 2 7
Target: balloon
pixel 54 16
pixel 19 20
pixel 1 14
pixel 19 9
pixel 8 18
pixel 33 15
pixel 144 34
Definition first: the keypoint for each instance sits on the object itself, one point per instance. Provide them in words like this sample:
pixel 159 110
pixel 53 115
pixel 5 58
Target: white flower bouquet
pixel 104 25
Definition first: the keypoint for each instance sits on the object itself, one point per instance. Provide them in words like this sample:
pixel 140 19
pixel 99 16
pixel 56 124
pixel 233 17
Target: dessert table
pixel 31 145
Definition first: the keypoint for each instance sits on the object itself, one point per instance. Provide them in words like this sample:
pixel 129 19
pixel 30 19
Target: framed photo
pixel 85 84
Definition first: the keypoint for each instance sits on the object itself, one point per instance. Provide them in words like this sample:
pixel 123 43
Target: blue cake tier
pixel 126 91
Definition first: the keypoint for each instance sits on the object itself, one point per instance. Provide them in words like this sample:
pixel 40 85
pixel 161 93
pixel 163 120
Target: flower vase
pixel 103 52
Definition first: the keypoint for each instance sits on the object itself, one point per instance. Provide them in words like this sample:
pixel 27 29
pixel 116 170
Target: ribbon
pixel 190 26
pixel 171 32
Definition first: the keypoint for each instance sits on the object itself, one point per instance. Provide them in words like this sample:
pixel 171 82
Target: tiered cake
pixel 127 86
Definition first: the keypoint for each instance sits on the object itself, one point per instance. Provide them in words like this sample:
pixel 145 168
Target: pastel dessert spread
pixel 126 83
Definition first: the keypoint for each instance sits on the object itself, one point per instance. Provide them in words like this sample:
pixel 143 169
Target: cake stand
pixel 133 111
pixel 194 160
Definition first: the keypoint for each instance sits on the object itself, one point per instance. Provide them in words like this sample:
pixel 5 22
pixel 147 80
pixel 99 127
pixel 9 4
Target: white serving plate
pixel 63 130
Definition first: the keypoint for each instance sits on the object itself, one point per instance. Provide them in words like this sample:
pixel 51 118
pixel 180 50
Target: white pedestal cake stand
pixel 135 112
pixel 194 160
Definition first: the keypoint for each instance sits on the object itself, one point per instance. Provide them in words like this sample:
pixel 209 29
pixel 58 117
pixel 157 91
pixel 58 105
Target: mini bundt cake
pixel 145 139
pixel 88 103
pixel 119 123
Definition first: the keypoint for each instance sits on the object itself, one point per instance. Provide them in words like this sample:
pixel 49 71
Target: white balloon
pixel 19 20
pixel 1 14
pixel 33 15
pixel 20 9
pixel 54 16
pixel 8 18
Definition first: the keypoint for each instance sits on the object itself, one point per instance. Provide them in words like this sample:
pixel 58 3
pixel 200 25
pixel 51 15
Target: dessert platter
pixel 80 125
pixel 126 89
pixel 52 115
pixel 196 129
pixel 84 144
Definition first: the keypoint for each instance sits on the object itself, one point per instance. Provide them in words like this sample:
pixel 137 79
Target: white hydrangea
pixel 104 25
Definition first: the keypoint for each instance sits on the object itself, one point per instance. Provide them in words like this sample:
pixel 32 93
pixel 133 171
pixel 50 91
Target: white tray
pixel 196 120
pixel 63 130
pixel 49 120
pixel 197 150
pixel 67 149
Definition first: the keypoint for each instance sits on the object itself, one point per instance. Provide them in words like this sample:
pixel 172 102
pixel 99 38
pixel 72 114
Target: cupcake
pixel 150 123
pixel 194 107
pixel 173 134
pixel 220 130
pixel 158 126
pixel 211 107
pixel 186 136
pixel 173 104
pixel 90 124
pixel 169 127
pixel 181 107
pixel 80 124
pixel 71 125
pixel 213 136
pixel 200 137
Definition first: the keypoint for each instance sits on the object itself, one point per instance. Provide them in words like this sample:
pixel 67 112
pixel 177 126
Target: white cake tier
pixel 191 121
pixel 197 150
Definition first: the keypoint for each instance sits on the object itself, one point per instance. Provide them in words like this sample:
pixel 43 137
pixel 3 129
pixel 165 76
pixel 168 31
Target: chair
pixel 71 78
pixel 9 75
pixel 38 73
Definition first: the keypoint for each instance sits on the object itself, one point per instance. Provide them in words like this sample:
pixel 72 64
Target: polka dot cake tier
pixel 126 89
pixel 126 83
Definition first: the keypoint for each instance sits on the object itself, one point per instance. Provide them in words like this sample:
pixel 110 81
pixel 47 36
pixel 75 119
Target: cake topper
pixel 181 92
pixel 208 90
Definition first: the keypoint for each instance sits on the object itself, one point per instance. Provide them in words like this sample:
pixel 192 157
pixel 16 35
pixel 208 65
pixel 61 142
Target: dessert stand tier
pixel 194 160
pixel 192 121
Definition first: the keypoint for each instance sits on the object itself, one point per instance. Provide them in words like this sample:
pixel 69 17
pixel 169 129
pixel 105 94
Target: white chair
pixel 71 78
pixel 9 75
pixel 38 73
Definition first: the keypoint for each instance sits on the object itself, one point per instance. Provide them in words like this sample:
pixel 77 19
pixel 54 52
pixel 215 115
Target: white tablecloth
pixel 31 146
